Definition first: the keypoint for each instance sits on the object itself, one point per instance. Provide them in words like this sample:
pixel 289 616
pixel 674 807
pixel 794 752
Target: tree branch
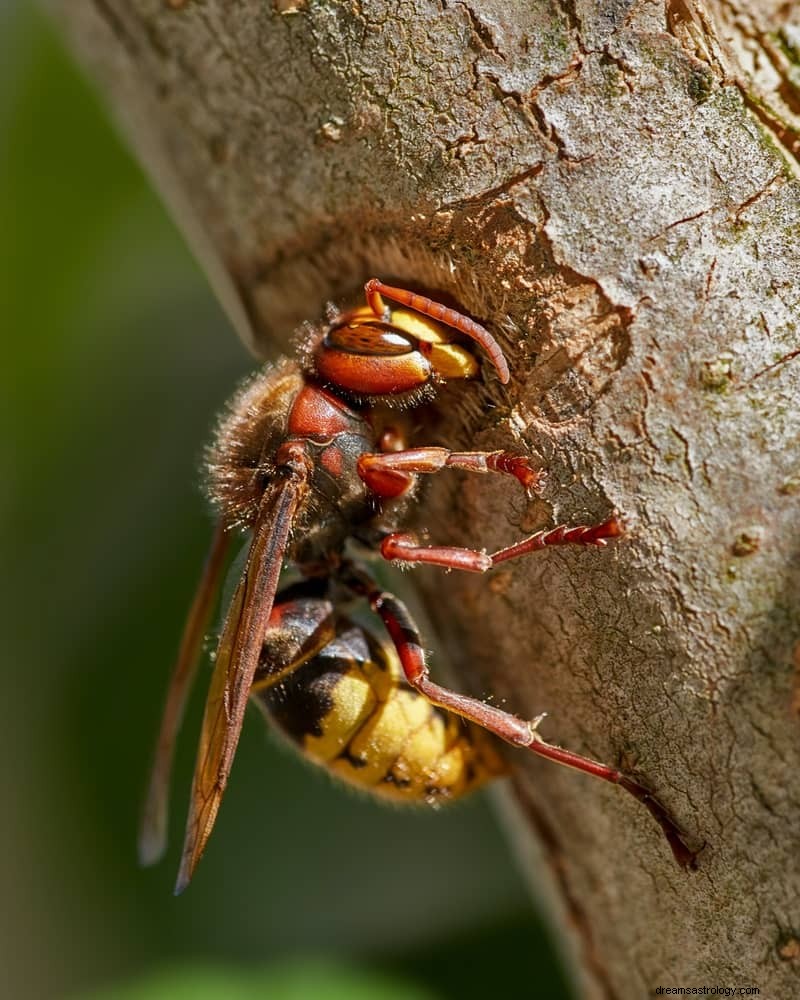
pixel 611 188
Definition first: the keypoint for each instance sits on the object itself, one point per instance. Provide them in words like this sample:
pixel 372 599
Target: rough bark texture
pixel 613 188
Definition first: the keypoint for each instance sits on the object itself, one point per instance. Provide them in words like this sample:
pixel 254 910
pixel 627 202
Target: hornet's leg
pixel 518 732
pixel 403 547
pixel 391 474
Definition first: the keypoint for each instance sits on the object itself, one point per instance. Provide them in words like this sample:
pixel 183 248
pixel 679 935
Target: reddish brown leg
pixel 404 548
pixel 592 534
pixel 520 733
pixel 377 470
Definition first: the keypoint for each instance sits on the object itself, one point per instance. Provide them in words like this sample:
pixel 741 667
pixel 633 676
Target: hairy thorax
pixel 281 404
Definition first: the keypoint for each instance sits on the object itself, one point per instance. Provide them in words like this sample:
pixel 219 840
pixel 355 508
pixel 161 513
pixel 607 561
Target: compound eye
pixel 371 359
pixel 375 339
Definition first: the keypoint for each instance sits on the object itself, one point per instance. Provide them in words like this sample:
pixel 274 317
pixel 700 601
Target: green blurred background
pixel 115 361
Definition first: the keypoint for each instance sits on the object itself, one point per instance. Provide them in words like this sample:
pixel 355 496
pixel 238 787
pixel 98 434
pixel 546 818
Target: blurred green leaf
pixel 307 980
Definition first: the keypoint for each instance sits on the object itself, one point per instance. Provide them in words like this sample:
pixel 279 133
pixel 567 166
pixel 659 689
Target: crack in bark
pixel 481 31
pixel 687 455
pixel 695 30
pixel 569 75
pixel 529 108
pixel 761 35
pixel 786 136
pixel 681 222
pixel 772 183
pixel 491 194
pixel 790 356
pixel 742 207
pixel 570 11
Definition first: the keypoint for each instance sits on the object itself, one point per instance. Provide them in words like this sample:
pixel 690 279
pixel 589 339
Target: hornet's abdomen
pixel 340 696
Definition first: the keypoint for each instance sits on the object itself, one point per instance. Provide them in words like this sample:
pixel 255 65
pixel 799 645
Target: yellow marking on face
pixel 452 361
pixel 360 313
pixel 449 360
pixel 421 327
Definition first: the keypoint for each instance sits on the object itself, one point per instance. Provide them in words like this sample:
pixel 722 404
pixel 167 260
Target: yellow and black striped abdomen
pixel 345 704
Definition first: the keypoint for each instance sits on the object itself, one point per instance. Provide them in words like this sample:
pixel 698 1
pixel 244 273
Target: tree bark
pixel 613 189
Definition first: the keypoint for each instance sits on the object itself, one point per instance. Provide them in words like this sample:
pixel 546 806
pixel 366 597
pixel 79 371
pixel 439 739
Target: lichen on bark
pixel 613 189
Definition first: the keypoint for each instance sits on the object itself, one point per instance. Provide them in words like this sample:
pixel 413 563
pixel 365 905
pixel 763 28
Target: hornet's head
pixel 396 354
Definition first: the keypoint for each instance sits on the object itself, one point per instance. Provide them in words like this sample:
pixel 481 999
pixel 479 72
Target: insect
pixel 314 459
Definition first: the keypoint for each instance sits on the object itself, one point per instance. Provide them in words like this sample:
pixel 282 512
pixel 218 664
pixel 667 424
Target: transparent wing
pixel 236 662
pixel 153 830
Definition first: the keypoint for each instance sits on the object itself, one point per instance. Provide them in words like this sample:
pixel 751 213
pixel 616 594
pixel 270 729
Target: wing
pixel 153 830
pixel 237 659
